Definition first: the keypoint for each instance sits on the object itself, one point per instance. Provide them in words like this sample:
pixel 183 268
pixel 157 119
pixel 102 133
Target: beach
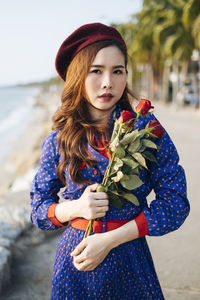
pixel 17 172
pixel 26 148
pixel 176 255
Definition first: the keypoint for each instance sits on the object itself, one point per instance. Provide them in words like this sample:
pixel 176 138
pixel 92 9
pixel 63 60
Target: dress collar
pixel 115 114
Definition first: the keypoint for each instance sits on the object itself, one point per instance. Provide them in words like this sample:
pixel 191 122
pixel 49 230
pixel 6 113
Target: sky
pixel 31 32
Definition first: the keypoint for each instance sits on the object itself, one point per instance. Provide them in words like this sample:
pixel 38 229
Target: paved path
pixel 176 255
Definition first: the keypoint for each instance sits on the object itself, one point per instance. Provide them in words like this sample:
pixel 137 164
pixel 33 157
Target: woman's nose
pixel 107 82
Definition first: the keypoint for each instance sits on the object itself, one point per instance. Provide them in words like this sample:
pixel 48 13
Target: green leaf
pixel 134 146
pixel 130 162
pixel 130 197
pixel 153 135
pixel 131 182
pixel 101 188
pixel 113 187
pixel 114 144
pixel 120 152
pixel 120 119
pixel 148 155
pixel 142 133
pixel 135 171
pixel 138 156
pixel 126 169
pixel 108 184
pixel 115 131
pixel 118 177
pixel 129 137
pixel 149 144
pixel 118 163
pixel 115 200
pixel 142 148
pixel 140 168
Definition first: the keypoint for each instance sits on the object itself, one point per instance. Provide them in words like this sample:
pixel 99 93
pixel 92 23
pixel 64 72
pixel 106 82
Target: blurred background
pixel 163 39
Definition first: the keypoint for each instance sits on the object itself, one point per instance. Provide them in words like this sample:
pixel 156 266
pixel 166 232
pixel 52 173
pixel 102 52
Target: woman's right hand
pixel 92 204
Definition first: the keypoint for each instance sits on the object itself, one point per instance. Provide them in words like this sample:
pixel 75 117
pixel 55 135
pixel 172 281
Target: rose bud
pixel 143 107
pixel 154 129
pixel 127 116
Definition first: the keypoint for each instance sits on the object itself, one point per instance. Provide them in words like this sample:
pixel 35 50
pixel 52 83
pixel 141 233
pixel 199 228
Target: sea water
pixel 16 111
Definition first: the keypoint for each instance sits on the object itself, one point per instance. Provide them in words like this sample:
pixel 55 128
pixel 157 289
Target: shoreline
pixel 17 172
pixel 27 148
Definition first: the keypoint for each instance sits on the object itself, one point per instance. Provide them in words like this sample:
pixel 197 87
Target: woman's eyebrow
pixel 102 66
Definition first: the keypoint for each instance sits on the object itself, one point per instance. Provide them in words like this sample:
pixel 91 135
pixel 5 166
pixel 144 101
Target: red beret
pixel 81 38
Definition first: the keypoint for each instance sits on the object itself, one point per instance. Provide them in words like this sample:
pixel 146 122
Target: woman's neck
pixel 102 116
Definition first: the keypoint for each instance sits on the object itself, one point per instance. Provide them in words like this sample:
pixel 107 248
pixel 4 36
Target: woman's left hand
pixel 91 251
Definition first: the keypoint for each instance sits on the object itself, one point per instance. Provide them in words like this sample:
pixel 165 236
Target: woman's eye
pixel 118 71
pixel 96 71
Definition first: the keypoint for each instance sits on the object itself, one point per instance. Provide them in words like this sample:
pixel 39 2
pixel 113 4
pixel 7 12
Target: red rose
pixel 127 116
pixel 143 107
pixel 156 130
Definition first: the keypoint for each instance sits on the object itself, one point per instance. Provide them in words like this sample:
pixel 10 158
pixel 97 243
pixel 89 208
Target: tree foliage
pixel 163 29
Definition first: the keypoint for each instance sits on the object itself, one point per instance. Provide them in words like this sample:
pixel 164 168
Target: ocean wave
pixel 17 112
pixel 17 116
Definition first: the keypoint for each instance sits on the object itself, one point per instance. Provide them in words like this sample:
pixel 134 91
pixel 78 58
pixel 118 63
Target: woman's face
pixel 105 81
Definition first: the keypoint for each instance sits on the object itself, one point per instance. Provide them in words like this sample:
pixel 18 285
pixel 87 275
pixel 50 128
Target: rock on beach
pixel 17 172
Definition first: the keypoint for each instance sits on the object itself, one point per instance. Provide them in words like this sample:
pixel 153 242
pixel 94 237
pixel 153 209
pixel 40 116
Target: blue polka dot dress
pixel 128 271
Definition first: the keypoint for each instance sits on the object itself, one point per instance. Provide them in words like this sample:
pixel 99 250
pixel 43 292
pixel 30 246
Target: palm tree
pixel 177 43
pixel 139 37
pixel 173 32
pixel 191 21
pixel 128 31
pixel 163 36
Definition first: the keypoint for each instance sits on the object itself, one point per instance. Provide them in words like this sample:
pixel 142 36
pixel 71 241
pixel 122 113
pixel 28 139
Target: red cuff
pixel 141 222
pixel 51 216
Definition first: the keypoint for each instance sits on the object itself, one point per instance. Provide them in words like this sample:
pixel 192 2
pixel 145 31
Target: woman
pixel 114 262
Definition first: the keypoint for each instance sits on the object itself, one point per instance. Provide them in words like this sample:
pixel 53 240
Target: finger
pixel 100 202
pixel 90 267
pixel 82 266
pixel 101 195
pixel 79 258
pixel 101 209
pixel 100 215
pixel 78 248
pixel 92 187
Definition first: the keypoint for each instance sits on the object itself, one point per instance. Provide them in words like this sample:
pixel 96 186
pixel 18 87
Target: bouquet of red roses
pixel 128 150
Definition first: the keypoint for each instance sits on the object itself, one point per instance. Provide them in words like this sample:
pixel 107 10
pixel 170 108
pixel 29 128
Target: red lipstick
pixel 106 96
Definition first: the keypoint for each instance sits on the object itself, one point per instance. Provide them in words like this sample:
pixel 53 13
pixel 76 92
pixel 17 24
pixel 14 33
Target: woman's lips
pixel 106 97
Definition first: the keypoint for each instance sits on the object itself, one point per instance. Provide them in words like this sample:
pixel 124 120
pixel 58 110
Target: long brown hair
pixel 72 119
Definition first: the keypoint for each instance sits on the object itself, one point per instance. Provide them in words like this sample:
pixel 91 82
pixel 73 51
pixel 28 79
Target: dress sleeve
pixel 171 207
pixel 52 217
pixel 46 186
pixel 141 222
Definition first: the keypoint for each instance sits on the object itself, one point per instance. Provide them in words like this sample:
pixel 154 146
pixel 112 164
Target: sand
pixel 17 172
